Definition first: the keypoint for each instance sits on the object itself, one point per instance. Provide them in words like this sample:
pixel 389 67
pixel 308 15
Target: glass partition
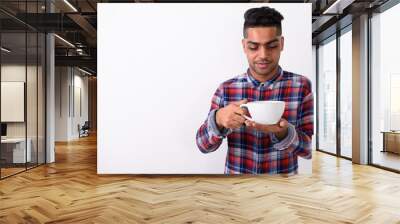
pixel 14 153
pixel 22 67
pixel 385 89
pixel 346 94
pixel 327 96
pixel 32 96
pixel 41 87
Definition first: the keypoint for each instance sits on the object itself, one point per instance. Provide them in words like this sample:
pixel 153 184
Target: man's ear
pixel 244 44
pixel 282 42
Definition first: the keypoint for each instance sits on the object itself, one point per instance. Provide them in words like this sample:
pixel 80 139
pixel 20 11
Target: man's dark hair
pixel 262 17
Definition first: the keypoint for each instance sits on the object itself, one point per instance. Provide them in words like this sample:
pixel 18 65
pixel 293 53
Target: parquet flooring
pixel 70 191
pixel 10 171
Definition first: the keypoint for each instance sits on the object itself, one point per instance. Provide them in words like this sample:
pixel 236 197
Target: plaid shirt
pixel 251 151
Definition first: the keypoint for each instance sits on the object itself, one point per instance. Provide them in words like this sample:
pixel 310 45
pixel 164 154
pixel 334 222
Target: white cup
pixel 265 112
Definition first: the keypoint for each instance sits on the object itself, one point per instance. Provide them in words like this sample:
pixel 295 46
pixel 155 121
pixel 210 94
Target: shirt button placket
pixel 259 98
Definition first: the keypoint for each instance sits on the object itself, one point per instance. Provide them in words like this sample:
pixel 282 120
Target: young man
pixel 256 148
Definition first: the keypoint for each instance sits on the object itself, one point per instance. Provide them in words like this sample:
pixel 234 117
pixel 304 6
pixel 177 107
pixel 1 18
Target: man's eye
pixel 252 48
pixel 272 46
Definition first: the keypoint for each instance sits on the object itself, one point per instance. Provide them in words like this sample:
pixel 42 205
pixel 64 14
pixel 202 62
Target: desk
pixel 15 148
pixel 391 141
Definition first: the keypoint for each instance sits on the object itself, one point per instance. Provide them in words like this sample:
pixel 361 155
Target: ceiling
pixel 76 22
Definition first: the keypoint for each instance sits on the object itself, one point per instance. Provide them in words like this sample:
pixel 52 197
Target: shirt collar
pixel 257 83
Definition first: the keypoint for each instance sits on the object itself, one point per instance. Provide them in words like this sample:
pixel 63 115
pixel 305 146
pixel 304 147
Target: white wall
pixel 68 81
pixel 11 73
pixel 80 84
pixel 156 79
pixel 33 127
pixel 61 103
pixel 17 73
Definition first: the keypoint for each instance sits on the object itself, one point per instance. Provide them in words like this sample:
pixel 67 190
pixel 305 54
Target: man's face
pixel 263 48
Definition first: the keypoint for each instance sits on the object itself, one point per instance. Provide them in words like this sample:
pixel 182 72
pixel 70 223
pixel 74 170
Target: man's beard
pixel 264 72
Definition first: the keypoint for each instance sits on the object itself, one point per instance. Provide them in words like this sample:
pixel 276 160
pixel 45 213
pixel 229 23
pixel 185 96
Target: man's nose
pixel 263 52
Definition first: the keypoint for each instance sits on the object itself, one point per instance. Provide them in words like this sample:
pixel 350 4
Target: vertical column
pixel 50 92
pixel 360 90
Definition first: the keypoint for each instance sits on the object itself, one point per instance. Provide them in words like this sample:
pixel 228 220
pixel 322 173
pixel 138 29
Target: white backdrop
pixel 158 67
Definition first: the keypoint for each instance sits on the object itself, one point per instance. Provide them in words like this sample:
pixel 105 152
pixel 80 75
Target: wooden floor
pixel 70 191
pixel 5 172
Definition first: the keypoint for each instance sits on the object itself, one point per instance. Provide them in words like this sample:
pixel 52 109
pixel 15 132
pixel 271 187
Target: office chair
pixel 84 130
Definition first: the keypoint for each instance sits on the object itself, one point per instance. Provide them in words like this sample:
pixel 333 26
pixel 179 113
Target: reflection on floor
pixel 10 169
pixel 387 159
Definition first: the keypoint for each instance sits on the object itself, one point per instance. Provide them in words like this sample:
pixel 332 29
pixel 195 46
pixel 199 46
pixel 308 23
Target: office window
pixel 385 87
pixel 327 96
pixel 346 94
